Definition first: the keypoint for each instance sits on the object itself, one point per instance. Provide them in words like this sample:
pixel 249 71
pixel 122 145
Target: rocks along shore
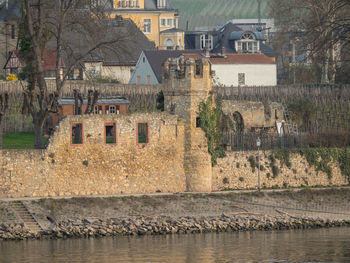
pixel 162 225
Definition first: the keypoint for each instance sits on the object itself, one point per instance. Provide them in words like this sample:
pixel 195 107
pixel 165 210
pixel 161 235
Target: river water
pixel 316 245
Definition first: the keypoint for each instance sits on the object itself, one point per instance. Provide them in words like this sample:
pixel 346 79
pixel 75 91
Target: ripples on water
pixel 319 245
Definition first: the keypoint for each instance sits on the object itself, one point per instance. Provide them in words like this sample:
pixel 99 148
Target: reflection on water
pixel 319 245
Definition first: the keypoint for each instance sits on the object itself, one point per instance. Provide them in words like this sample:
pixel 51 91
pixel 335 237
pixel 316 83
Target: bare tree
pixel 320 24
pixel 76 30
pixel 4 98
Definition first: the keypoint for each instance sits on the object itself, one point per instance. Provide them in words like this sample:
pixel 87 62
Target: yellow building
pixel 156 19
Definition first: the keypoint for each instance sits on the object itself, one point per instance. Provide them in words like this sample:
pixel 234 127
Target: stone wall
pixel 254 114
pixel 187 83
pixel 95 167
pixel 174 159
pixel 235 172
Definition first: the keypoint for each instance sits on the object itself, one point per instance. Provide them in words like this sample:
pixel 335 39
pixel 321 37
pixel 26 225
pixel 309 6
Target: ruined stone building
pixel 128 153
pixel 108 154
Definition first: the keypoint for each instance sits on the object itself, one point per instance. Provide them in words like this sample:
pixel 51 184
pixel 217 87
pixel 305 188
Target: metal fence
pixel 17 123
pixel 248 141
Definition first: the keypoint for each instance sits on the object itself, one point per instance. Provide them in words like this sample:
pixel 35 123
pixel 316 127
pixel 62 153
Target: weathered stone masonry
pixel 235 172
pixel 94 167
pixel 174 159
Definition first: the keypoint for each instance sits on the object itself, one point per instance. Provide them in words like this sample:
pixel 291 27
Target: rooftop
pixel 103 100
pixel 234 58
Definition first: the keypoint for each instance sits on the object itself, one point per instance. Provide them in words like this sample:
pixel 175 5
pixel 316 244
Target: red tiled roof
pixel 235 58
pixel 49 59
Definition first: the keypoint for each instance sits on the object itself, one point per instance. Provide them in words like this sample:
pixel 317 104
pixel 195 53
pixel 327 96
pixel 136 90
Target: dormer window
pixel 206 42
pixel 127 3
pixel 247 43
pixel 161 3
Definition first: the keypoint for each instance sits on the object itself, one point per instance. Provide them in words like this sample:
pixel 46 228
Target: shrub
pixel 160 101
pixel 241 179
pixel 12 77
pixel 344 162
pixel 302 111
pixel 284 157
pixel 320 158
pixel 251 160
pixel 225 180
pixel 275 171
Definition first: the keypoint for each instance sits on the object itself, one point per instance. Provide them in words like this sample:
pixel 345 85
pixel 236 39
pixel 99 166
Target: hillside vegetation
pixel 213 12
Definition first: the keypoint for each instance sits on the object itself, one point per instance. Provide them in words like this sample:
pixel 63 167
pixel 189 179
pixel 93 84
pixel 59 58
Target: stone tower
pixel 186 83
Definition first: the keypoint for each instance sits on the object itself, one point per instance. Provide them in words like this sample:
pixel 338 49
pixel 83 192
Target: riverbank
pixel 179 213
pixel 166 225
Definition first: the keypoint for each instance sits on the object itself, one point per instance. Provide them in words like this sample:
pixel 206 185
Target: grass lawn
pixel 19 140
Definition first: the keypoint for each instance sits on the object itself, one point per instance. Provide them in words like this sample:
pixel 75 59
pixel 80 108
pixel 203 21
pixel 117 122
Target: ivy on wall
pixel 160 101
pixel 209 122
pixel 320 158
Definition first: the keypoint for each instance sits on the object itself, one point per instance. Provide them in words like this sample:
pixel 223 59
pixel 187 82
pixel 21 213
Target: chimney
pixel 7 4
pixel 223 51
pixel 207 53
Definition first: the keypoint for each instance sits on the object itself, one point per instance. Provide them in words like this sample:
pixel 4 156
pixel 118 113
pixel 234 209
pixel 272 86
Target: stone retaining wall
pixel 95 167
pixel 235 172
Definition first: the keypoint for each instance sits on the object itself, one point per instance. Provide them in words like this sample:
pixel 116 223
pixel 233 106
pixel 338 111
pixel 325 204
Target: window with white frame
pixel 128 3
pixel 170 22
pixel 169 44
pixel 147 25
pixel 161 3
pixel 206 42
pixel 163 22
pixel 136 3
pixel 112 109
pixel 247 43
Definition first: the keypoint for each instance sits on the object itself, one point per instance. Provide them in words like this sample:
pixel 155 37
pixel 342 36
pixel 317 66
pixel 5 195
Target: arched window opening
pixel 247 43
pixel 169 44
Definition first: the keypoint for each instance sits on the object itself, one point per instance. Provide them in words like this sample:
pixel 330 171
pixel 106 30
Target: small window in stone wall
pixel 111 133
pixel 199 67
pixel 77 133
pixel 142 132
pixel 241 78
pixel 112 109
pixel 198 122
